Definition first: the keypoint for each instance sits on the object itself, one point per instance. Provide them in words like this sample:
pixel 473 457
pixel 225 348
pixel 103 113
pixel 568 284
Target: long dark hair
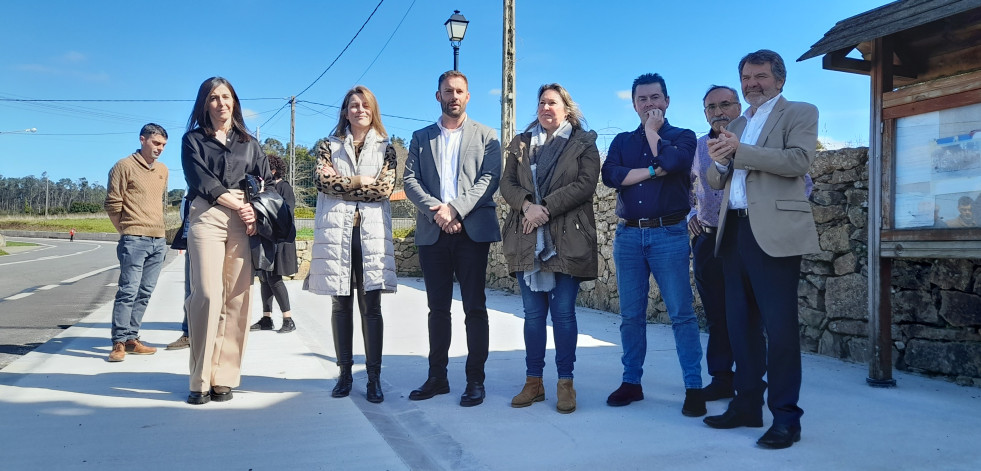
pixel 200 118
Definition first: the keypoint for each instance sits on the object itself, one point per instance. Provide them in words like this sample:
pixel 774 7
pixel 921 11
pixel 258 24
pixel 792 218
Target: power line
pixel 345 48
pixel 38 100
pixel 383 114
pixel 407 10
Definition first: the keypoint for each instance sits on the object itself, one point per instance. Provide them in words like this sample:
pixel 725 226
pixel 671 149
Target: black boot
pixel 343 330
pixel 375 394
pixel 373 328
pixel 344 381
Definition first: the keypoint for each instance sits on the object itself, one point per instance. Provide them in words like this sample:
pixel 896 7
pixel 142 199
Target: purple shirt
pixel 705 200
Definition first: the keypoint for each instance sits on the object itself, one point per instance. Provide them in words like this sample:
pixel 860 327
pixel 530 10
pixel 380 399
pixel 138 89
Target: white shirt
pixel 449 160
pixel 751 134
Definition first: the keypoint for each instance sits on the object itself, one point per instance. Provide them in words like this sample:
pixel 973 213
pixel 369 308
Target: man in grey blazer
pixel 765 226
pixel 452 172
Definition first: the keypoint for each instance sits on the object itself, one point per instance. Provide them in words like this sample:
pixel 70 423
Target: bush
pixel 403 233
pixel 82 207
pixel 304 213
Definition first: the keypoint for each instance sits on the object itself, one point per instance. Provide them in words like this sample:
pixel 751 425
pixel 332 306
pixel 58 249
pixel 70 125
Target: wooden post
pixel 879 269
pixel 507 76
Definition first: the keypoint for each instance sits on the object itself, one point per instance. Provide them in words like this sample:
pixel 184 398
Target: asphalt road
pixel 47 289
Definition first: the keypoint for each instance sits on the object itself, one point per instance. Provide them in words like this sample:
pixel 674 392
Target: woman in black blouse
pixel 217 153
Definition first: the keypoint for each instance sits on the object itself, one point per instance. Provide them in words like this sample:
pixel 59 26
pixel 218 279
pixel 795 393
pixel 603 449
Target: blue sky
pixel 120 50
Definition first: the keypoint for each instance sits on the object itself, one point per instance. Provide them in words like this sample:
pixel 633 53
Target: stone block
pixel 845 176
pixel 817 268
pixel 909 274
pixel 822 256
pixel 846 297
pixel 810 294
pixel 914 306
pixel 830 345
pixel 849 327
pixel 846 264
pixel 827 198
pixel 817 280
pixel 943 335
pixel 858 349
pixel 835 239
pixel 949 358
pixel 951 273
pixel 857 216
pixel 977 281
pixel 960 309
pixel 857 197
pixel 824 214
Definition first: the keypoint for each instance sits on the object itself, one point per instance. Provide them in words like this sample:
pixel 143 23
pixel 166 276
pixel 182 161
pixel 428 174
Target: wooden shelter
pixel 924 61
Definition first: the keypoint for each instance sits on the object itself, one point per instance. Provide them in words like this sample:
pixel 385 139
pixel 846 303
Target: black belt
pixel 739 213
pixel 709 229
pixel 668 220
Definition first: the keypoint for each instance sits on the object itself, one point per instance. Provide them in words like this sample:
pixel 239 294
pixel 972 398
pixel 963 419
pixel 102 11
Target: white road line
pixel 52 257
pixel 47 287
pixel 86 275
pixel 17 296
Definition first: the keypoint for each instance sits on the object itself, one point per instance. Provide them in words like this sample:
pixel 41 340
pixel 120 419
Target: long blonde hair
pixel 369 98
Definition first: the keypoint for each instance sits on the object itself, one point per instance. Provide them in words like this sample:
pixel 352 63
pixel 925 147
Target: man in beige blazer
pixel 765 226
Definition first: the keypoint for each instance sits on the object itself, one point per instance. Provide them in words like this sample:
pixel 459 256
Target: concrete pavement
pixel 64 407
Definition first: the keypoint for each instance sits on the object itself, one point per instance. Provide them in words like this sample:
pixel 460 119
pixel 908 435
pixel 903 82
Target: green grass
pixel 304 234
pixel 2 253
pixel 102 224
pixel 20 244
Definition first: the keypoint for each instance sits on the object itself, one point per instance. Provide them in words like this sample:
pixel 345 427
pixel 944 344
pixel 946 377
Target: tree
pixel 273 146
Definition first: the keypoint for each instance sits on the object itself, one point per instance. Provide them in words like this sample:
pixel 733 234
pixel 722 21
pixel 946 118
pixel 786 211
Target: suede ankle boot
pixel 344 382
pixel 566 395
pixel 533 392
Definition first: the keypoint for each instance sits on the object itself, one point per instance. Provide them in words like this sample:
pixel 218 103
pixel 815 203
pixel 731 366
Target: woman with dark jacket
pixel 271 283
pixel 550 234
pixel 217 152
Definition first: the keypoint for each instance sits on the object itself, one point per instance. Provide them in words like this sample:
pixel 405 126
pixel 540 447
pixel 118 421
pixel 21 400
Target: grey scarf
pixel 545 154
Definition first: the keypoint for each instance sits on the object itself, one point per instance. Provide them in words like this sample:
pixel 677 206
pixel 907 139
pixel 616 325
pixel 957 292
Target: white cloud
pixel 73 57
pixel 831 143
pixel 249 114
pixel 495 91
pixel 623 94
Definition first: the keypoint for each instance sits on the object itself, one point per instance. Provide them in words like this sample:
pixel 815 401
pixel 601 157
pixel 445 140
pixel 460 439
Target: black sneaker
pixel 265 323
pixel 288 325
pixel 694 405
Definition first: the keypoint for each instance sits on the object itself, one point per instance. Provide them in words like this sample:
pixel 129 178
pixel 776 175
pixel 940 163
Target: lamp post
pixel 456 27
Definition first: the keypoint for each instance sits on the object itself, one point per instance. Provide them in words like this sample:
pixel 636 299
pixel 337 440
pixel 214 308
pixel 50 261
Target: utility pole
pixel 507 76
pixel 293 141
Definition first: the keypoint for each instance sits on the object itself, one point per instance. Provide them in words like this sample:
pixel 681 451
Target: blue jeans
pixel 140 261
pixel 664 253
pixel 561 301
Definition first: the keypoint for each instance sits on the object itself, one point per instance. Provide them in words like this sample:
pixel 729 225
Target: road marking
pixel 18 296
pixel 86 275
pixel 97 246
pixel 47 287
pixel 112 284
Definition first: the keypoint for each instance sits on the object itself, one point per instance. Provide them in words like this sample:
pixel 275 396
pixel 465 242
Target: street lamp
pixel 19 131
pixel 456 27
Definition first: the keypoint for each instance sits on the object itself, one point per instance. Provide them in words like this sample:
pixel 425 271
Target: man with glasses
pixel 721 105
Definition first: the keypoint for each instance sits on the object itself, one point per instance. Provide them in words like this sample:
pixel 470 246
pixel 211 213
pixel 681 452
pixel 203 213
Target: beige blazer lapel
pixel 771 120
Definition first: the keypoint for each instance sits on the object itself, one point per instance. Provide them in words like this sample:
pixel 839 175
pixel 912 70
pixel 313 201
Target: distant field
pixel 88 223
pixel 20 244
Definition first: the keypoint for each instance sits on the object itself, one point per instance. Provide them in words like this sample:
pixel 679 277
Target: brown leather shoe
pixel 118 352
pixel 136 347
pixel 532 392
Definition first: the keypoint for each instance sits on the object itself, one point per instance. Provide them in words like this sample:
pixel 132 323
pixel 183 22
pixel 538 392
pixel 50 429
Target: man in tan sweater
pixel 134 203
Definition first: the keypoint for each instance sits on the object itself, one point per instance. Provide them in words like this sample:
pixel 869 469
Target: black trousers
pixel 272 286
pixel 761 294
pixel 456 254
pixel 369 304
pixel 710 283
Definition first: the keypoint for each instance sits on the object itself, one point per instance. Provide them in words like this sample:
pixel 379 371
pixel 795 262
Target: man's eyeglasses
pixel 724 106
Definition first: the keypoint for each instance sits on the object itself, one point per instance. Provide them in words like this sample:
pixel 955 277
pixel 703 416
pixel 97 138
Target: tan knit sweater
pixel 135 198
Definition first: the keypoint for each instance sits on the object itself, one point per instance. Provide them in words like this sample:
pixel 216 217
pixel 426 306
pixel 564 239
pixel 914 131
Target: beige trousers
pixel 220 303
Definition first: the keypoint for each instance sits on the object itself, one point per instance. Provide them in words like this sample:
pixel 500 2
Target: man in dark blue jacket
pixel 650 169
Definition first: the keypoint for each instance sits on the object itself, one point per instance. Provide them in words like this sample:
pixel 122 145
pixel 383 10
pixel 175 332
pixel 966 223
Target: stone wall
pixel 936 321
